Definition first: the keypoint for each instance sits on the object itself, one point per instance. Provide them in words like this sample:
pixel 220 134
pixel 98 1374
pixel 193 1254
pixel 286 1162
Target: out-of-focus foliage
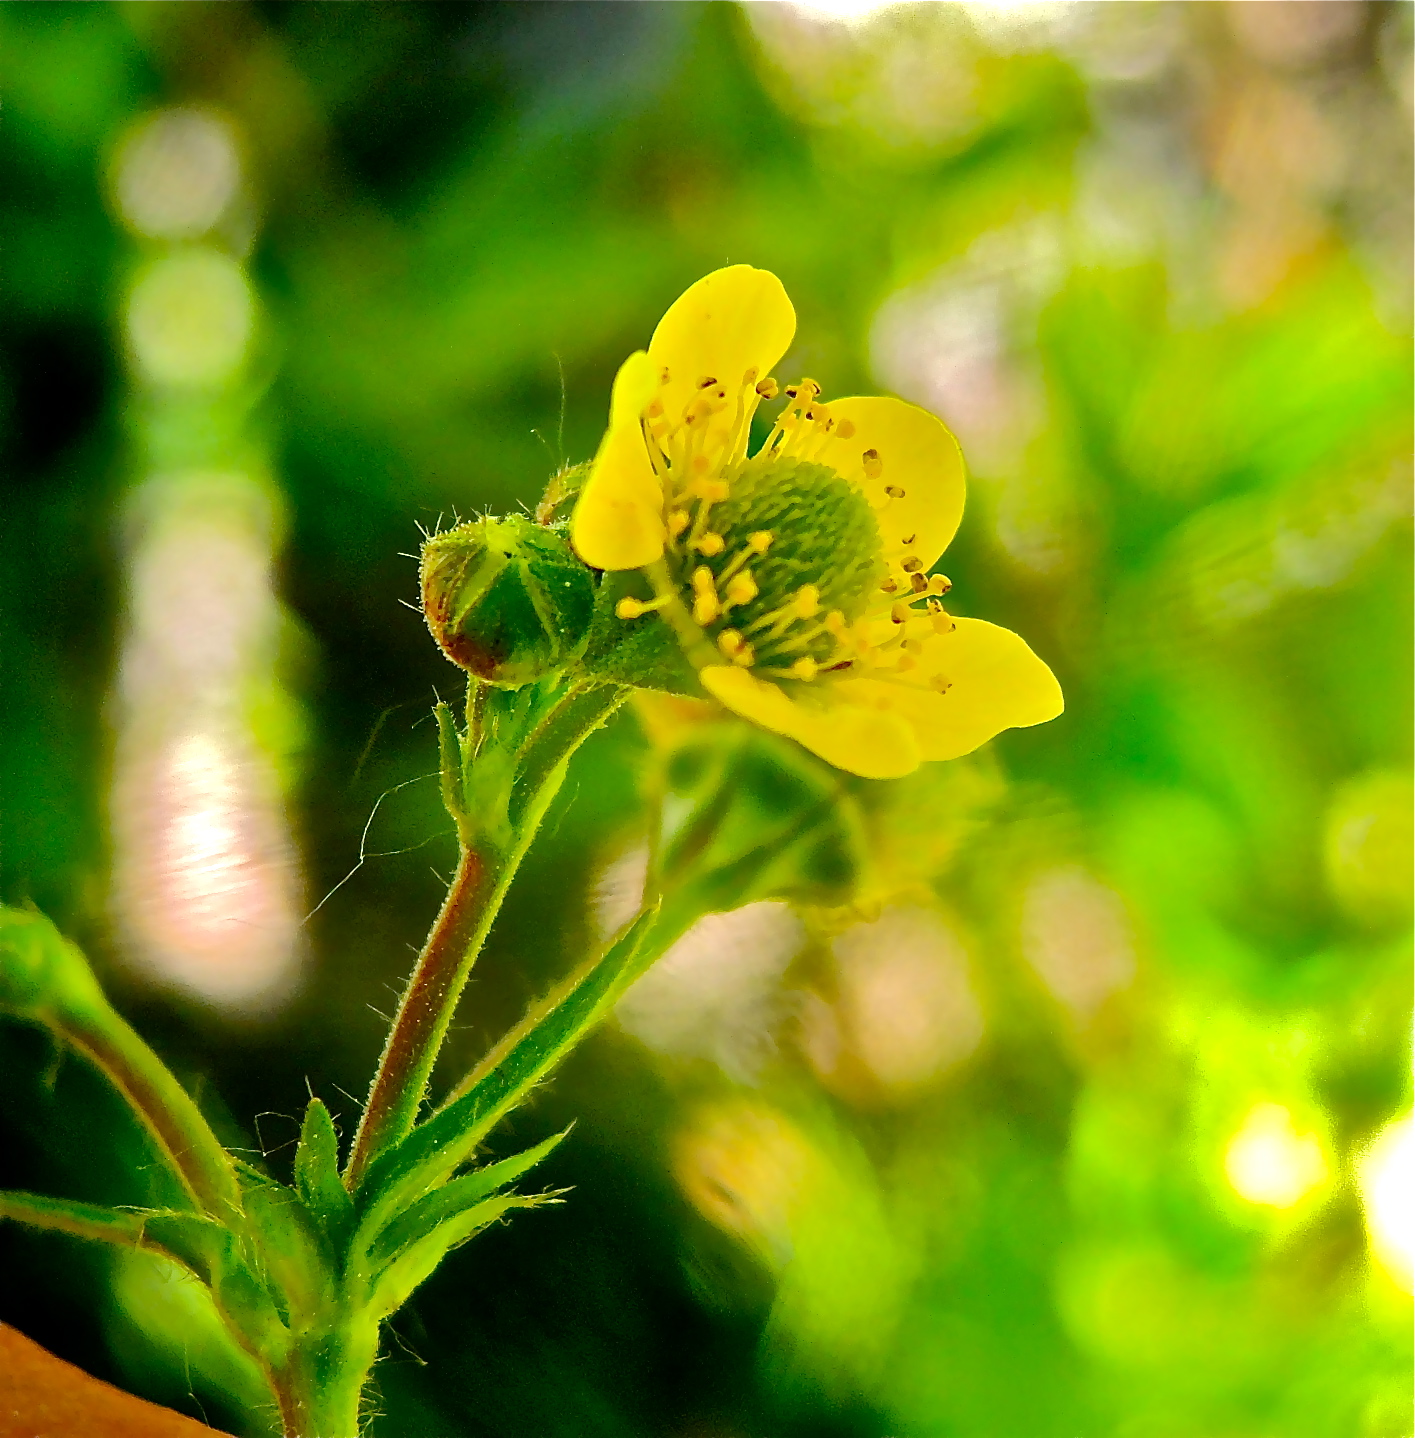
pixel 1085 1120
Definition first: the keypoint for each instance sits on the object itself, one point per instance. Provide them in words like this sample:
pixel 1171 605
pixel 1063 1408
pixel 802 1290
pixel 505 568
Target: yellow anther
pixel 678 521
pixel 746 656
pixel 709 544
pixel 940 685
pixel 760 540
pixel 835 623
pixel 908 539
pixel 805 668
pixel 845 429
pixel 939 584
pixel 655 409
pixel 767 388
pixel 711 490
pixel 890 586
pixel 894 491
pixel 921 585
pixel 911 565
pixel 906 663
pixel 703 581
pixel 733 647
pixel 900 613
pixel 874 466
pixel 663 375
pixel 742 588
pixel 701 464
pixel 750 377
pixel 810 384
pixel 629 608
pixel 706 608
pixel 707 381
pixel 808 602
pixel 943 624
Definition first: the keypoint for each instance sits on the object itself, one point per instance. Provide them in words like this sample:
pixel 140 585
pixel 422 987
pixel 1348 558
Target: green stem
pixel 166 1109
pixel 484 872
pixel 319 1389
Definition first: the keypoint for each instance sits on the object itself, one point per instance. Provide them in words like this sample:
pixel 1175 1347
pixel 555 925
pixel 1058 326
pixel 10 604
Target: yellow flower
pixel 798 579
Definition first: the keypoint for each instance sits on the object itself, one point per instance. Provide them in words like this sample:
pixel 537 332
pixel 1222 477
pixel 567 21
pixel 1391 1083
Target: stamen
pixel 706 605
pixel 709 544
pixel 890 586
pixel 767 388
pixel 845 429
pixel 706 382
pixel 874 466
pixel 749 377
pixel 663 375
pixel 940 685
pixel 760 540
pixel 735 648
pixel 678 521
pixel 742 589
pixel 912 564
pixel 808 603
pixel 805 668
pixel 921 585
pixel 939 584
pixel 892 490
pixel 631 608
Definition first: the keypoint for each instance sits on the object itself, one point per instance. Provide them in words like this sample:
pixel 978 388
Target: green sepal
pixel 317 1178
pixel 643 652
pixel 441 1144
pixel 425 1216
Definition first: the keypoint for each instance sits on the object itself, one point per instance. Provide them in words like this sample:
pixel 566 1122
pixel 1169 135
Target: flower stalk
pixel 501 776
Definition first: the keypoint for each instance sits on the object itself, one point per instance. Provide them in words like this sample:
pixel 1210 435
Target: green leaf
pixel 415 1224
pixel 206 1248
pixel 297 1263
pixel 317 1174
pixel 439 1146
pixel 392 1288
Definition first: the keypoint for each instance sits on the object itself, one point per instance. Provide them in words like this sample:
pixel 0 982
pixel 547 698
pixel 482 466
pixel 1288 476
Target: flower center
pixel 799 559
pixel 772 561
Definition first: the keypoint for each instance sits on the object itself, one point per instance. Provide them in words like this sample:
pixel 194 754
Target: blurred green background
pixel 1095 1119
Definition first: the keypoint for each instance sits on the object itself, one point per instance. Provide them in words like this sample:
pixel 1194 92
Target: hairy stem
pixel 485 869
pixel 164 1106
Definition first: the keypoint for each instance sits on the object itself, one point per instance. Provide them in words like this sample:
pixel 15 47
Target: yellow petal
pixel 995 680
pixel 618 522
pixel 860 738
pixel 918 455
pixel 730 322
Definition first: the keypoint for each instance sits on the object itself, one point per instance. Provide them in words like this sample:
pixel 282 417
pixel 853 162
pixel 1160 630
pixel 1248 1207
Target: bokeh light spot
pixel 1269 1162
pixel 189 319
pixel 1386 1176
pixel 177 174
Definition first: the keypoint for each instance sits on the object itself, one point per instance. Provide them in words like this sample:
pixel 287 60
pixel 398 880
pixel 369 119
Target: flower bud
pixel 506 599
